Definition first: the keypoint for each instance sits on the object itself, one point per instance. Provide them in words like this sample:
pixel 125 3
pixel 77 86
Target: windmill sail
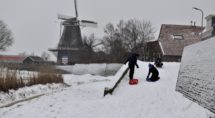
pixel 76 9
pixel 88 23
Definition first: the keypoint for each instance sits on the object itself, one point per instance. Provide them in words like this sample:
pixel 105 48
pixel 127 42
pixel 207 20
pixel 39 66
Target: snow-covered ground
pixel 14 96
pixel 102 69
pixel 197 73
pixel 84 99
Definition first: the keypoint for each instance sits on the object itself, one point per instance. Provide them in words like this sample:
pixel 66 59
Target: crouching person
pixel 154 74
pixel 158 62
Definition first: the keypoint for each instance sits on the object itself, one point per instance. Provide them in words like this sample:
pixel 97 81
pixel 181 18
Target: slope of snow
pixel 197 71
pixel 84 99
pixel 95 69
pixel 26 92
pixel 117 76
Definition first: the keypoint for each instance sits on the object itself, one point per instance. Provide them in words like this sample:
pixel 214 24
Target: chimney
pixel 191 23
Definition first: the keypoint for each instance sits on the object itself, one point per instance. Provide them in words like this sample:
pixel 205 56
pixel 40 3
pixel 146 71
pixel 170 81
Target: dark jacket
pixel 132 60
pixel 154 71
pixel 158 62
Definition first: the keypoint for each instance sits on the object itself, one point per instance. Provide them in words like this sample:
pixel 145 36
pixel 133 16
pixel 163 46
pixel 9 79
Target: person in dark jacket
pixel 158 63
pixel 132 59
pixel 155 74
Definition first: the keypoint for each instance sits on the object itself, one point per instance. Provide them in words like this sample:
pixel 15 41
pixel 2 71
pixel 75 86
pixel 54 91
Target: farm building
pixel 171 41
pixel 210 27
pixel 33 60
pixel 12 59
pixel 16 59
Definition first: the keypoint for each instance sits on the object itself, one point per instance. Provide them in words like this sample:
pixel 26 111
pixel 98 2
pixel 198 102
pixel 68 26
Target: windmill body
pixel 70 47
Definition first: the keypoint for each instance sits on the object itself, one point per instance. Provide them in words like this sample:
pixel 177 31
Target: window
pixel 178 37
pixel 213 25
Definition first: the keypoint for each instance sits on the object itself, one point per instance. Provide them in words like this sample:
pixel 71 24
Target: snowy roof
pixel 197 72
pixel 173 38
pixel 209 16
pixel 35 58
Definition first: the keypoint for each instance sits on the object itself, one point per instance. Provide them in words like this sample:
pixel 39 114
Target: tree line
pixel 6 38
pixel 126 37
pixel 118 40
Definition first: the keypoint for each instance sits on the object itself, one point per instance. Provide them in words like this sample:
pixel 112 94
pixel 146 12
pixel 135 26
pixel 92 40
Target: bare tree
pixel 135 33
pixel 128 36
pixel 6 38
pixel 23 54
pixel 45 56
pixel 112 40
pixel 89 42
pixel 113 43
pixel 32 54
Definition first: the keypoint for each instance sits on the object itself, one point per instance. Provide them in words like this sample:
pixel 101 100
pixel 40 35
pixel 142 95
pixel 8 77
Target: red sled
pixel 133 81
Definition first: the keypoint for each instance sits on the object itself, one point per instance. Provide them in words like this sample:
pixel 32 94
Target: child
pixel 155 74
pixel 132 62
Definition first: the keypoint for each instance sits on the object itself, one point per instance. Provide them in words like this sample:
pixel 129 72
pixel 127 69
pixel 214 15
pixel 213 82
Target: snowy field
pixel 102 69
pixel 84 99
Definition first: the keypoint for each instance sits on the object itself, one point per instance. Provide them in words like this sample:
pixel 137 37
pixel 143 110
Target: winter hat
pixel 150 65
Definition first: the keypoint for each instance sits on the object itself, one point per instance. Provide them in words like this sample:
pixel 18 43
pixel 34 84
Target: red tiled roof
pixel 12 58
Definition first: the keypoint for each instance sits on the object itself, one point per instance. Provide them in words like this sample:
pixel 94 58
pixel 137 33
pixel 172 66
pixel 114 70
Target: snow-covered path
pixel 84 99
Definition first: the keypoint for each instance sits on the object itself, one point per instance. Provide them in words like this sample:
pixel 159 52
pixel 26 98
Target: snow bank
pixel 117 76
pixel 115 80
pixel 26 92
pixel 94 69
pixel 196 79
pixel 84 99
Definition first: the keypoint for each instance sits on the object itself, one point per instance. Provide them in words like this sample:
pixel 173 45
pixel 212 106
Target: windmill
pixel 70 45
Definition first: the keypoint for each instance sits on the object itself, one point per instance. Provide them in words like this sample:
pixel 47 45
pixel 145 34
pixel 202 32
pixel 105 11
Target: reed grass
pixel 46 74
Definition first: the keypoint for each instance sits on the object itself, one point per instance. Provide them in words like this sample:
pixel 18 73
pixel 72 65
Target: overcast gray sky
pixel 35 25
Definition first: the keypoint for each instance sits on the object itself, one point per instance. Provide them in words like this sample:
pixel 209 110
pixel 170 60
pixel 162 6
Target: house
pixel 11 59
pixel 33 60
pixel 171 41
pixel 152 51
pixel 210 27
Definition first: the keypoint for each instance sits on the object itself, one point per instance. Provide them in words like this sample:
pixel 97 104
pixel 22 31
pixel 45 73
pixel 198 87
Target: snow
pixel 95 69
pixel 117 76
pixel 84 99
pixel 26 92
pixel 196 79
